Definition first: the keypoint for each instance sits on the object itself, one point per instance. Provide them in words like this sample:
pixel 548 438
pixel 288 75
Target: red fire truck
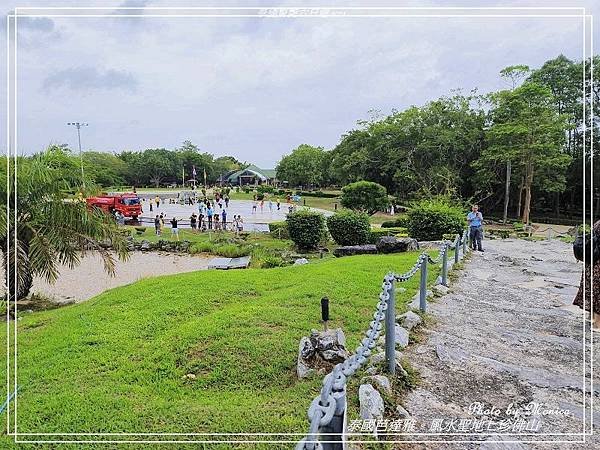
pixel 127 204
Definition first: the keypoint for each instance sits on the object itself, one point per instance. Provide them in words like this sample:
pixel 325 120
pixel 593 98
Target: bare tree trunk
pixel 506 191
pixel 520 198
pixel 528 182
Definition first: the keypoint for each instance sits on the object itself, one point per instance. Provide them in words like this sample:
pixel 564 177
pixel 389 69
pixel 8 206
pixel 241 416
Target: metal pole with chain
pixel 390 330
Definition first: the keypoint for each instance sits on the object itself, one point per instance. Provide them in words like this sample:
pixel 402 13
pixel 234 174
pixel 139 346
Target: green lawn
pixel 115 363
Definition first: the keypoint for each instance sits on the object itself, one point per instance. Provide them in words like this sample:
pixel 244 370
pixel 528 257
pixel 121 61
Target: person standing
pixel 150 205
pixel 209 216
pixel 156 224
pixel 591 301
pixel 278 205
pixel 157 200
pixel 270 205
pixel 475 220
pixel 254 206
pixel 193 222
pixel 224 219
pixel 226 201
pixel 174 229
pixel 217 223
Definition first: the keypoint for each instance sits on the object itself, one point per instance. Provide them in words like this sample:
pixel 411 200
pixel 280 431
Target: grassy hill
pixel 117 362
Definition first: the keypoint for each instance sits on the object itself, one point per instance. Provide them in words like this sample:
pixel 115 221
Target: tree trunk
pixel 520 198
pixel 557 205
pixel 23 281
pixel 506 191
pixel 528 183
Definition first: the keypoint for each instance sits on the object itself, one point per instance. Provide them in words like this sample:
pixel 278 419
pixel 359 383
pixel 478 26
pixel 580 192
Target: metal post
pixel 423 286
pixel 390 330
pixel 445 265
pixel 465 238
pixel 456 248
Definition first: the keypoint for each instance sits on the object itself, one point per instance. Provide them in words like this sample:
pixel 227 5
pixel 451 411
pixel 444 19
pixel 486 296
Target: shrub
pixel 202 247
pixel 429 220
pixel 400 221
pixel 279 230
pixel 376 233
pixel 349 227
pixel 518 226
pixel 316 194
pixel 364 196
pixel 231 250
pixel 263 188
pixel 306 228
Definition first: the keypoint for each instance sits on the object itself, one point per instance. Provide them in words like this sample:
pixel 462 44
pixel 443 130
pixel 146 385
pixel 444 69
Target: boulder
pixel 381 383
pixel 145 246
pixel 430 245
pixel 320 352
pixel 409 320
pixel 301 262
pixel 392 244
pixel 402 413
pixel 371 403
pixel 379 358
pixel 349 250
pixel 401 336
pixel 440 289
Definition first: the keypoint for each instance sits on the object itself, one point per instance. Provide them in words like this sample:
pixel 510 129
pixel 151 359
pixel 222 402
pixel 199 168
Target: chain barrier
pixel 331 401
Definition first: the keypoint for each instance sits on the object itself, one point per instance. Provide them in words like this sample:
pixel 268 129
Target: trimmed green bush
pixel 400 221
pixel 429 220
pixel 349 227
pixel 376 233
pixel 279 230
pixel 364 196
pixel 306 228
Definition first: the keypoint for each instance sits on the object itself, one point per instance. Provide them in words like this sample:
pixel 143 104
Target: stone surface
pixel 301 262
pixel 320 352
pixel 349 250
pixel 402 413
pixel 401 336
pixel 513 341
pixel 392 244
pixel 380 382
pixel 409 320
pixel 440 289
pixel 371 402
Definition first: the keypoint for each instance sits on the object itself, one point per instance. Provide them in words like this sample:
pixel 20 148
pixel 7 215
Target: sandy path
pixel 89 278
pixel 506 333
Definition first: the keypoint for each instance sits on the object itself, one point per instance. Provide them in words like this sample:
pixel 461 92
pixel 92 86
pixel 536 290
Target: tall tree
pixel 303 167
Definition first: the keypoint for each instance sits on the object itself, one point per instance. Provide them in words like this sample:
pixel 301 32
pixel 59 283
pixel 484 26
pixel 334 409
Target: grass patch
pixel 117 363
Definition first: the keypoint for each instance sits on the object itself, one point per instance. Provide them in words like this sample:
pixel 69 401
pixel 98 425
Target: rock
pixel 379 358
pixel 402 413
pixel 145 246
pixel 401 336
pixel 371 370
pixel 381 383
pixel 301 262
pixel 430 245
pixel 349 250
pixel 409 320
pixel 189 376
pixel 440 289
pixel 371 403
pixel 401 371
pixel 392 244
pixel 320 352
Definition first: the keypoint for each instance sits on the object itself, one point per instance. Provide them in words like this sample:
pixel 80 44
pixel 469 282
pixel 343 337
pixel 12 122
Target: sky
pixel 255 88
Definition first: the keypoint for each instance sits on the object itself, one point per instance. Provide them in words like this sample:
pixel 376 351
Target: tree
pixel 303 167
pixel 104 169
pixel 364 196
pixel 527 129
pixel 514 75
pixel 50 230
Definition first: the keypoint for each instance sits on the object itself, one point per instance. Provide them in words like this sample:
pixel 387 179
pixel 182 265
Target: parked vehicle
pixel 127 204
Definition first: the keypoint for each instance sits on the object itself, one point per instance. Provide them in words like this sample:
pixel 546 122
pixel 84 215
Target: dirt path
pixel 506 334
pixel 89 279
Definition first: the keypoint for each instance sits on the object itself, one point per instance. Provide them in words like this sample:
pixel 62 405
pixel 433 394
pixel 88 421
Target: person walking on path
pixel 226 201
pixel 591 301
pixel 174 229
pixel 193 222
pixel 157 200
pixel 270 205
pixel 157 225
pixel 278 204
pixel 475 220
pixel 253 206
pixel 224 219
pixel 150 205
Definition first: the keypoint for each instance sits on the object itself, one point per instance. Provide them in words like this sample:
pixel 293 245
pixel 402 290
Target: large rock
pixel 349 250
pixel 409 320
pixel 381 382
pixel 321 352
pixel 401 336
pixel 371 403
pixel 440 289
pixel 392 244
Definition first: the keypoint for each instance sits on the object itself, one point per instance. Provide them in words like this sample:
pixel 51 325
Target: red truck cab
pixel 127 204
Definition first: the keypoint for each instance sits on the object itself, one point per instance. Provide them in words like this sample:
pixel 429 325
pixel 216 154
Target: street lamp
pixel 78 125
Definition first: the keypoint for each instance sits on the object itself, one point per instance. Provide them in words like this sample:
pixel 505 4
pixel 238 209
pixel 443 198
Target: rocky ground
pixel 506 336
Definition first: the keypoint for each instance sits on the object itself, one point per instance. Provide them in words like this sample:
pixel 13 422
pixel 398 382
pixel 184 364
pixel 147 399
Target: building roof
pixel 263 174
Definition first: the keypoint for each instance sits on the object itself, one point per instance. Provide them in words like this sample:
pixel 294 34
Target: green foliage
pixel 400 221
pixel 279 230
pixel 349 227
pixel 306 228
pixel 320 194
pixel 377 233
pixel 305 166
pixel 364 196
pixel 429 220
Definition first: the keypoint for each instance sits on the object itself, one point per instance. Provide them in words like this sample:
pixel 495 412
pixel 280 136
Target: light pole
pixel 78 125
